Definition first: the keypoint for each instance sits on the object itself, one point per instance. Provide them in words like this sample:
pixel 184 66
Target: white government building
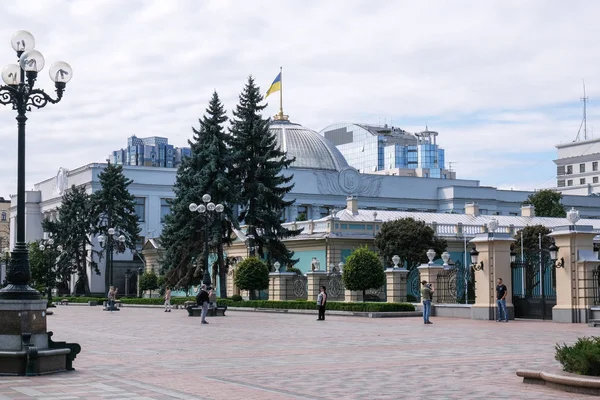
pixel 322 182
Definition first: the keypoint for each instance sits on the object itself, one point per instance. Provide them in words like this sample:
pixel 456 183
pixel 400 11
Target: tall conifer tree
pixel 72 231
pixel 258 165
pixel 114 207
pixel 204 172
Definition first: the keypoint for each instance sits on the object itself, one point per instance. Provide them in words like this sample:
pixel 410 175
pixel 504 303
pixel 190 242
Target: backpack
pixel 212 297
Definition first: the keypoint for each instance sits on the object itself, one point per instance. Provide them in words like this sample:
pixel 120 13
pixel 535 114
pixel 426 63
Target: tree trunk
pixel 83 275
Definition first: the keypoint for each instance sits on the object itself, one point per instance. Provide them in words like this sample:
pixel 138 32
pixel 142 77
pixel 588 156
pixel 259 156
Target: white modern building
pixel 577 170
pixel 322 182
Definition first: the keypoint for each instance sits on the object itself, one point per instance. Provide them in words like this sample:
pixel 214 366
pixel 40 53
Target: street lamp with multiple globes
pixel 110 246
pixel 207 210
pixel 20 94
pixel 47 246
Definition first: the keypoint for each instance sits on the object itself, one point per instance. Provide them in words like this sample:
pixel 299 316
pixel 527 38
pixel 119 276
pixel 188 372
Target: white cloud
pixel 500 80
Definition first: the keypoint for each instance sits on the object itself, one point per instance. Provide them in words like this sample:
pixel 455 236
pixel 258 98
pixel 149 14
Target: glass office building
pixel 384 149
pixel 150 152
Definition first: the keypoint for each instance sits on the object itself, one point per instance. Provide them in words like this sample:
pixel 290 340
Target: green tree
pixel 531 244
pixel 363 271
pixel 43 264
pixel 114 207
pixel 149 281
pixel 547 203
pixel 409 239
pixel 258 165
pixel 252 274
pixel 206 171
pixel 72 230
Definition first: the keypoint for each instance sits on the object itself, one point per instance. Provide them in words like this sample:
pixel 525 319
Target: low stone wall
pixel 561 380
pixel 452 310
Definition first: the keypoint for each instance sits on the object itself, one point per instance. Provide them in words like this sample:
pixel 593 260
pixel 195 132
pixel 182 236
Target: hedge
pixel 582 358
pixel 312 305
pixel 290 305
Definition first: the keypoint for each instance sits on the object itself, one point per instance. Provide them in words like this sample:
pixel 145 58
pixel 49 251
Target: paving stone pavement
pixel 143 353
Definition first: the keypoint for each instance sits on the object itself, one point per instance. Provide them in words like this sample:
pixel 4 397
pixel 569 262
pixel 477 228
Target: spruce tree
pixel 206 171
pixel 114 207
pixel 258 164
pixel 72 231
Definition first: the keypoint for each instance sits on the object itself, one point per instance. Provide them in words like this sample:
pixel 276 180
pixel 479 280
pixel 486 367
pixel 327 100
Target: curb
pixel 363 314
pixel 561 380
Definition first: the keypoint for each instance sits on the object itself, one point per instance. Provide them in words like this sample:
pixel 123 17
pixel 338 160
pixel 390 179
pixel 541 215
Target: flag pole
pixel 281 92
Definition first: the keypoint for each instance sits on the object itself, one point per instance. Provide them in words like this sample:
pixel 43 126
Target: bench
pixel 63 302
pixel 116 307
pixel 195 311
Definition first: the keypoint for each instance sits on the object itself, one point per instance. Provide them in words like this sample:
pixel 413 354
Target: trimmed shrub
pixel 253 275
pixel 312 305
pixel 582 358
pixel 236 298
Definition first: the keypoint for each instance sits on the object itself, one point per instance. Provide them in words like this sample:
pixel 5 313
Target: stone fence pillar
pixel 280 286
pixel 396 284
pixel 316 279
pixel 429 273
pixel 575 281
pixel 494 253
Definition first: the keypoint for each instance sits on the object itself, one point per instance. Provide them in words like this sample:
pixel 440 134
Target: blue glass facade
pixel 376 148
pixel 150 152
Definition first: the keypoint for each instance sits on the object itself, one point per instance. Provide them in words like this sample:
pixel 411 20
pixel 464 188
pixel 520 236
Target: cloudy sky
pixel 500 80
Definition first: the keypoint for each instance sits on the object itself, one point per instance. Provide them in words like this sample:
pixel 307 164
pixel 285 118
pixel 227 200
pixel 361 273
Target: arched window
pixel 3 217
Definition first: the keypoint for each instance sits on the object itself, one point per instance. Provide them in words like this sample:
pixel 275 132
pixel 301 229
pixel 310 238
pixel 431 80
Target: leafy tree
pixel 252 274
pixel 149 281
pixel 43 266
pixel 363 271
pixel 206 171
pixel 258 164
pixel 72 231
pixel 409 239
pixel 547 203
pixel 114 207
pixel 531 244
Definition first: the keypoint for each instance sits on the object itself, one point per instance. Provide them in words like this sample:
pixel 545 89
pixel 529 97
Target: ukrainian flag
pixel 275 86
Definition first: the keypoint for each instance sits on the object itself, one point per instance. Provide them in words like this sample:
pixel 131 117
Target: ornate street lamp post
pixel 20 94
pixel 207 210
pixel 110 246
pixel 47 246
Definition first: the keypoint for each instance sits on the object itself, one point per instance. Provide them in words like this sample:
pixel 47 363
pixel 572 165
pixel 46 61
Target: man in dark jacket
pixel 202 301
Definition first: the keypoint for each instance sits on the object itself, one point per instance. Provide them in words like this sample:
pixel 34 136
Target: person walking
pixel 168 300
pixel 501 292
pixel 321 303
pixel 427 295
pixel 202 301
pixel 112 295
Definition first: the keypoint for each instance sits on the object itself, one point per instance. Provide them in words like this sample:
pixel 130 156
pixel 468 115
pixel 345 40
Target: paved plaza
pixel 144 353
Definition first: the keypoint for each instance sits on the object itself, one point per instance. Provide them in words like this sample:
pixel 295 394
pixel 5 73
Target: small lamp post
pixel 477 266
pixel 47 247
pixel 110 246
pixel 127 280
pixel 20 94
pixel 140 271
pixel 208 210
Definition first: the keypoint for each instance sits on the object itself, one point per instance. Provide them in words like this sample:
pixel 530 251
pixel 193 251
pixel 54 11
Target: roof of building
pixel 310 149
pixel 453 219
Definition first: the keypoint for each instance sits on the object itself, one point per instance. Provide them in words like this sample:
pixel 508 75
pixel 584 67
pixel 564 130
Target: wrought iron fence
pixel 413 286
pixel 379 294
pixel 456 285
pixel 335 287
pixel 300 286
pixel 595 286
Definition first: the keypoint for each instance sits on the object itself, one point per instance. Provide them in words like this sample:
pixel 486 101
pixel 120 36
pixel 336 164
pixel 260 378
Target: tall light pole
pixel 21 95
pixel 110 240
pixel 208 210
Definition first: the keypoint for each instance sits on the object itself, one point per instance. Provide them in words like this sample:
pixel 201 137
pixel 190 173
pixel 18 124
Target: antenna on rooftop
pixel 584 121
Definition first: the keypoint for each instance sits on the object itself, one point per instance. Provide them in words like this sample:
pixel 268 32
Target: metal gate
pixel 456 284
pixel 534 289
